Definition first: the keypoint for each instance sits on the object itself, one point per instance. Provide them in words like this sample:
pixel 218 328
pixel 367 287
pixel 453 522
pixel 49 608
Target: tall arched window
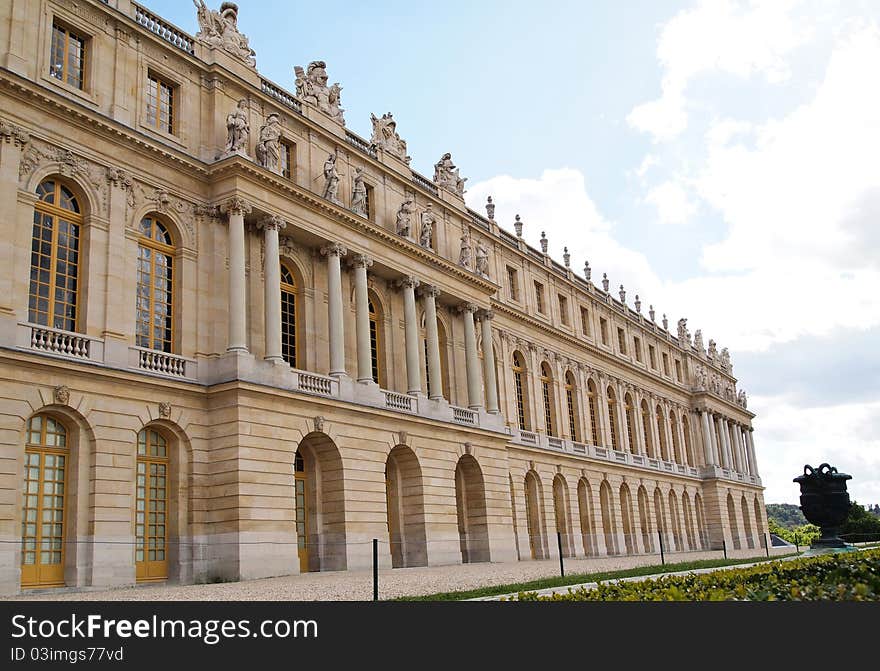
pixel 612 422
pixel 661 432
pixel 519 384
pixel 375 344
pixel 570 396
pixel 646 429
pixel 630 429
pixel 676 446
pixel 43 503
pixel 154 328
pixel 594 414
pixel 55 250
pixel 289 313
pixel 547 395
pixel 151 513
pixel 688 446
pixel 442 345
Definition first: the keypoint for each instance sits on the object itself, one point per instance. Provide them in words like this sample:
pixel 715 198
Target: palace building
pixel 238 340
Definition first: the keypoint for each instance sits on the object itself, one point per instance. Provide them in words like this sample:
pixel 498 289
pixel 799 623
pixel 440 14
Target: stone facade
pixel 456 410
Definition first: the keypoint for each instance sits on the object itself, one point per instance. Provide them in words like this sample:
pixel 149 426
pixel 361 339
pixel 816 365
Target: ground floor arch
pixel 405 506
pixel 609 527
pixel 645 520
pixel 626 517
pixel 470 505
pixel 747 524
pixel 585 511
pixel 731 519
pixel 535 515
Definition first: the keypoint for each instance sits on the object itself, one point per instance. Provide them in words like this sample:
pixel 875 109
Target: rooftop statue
pixel 725 359
pixel 385 136
pixel 713 351
pixel 446 175
pixel 684 337
pixel 698 342
pixel 311 87
pixel 220 29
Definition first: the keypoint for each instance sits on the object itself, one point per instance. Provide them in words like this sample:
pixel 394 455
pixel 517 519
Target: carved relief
pixel 61 394
pixel 39 154
pixel 121 179
pixel 165 410
pixel 9 132
pixel 220 30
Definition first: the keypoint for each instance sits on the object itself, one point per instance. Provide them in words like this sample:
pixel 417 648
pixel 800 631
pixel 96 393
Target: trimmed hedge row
pixel 851 576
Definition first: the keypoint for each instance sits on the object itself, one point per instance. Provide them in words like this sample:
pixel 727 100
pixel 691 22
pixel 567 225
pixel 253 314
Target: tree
pixel 860 525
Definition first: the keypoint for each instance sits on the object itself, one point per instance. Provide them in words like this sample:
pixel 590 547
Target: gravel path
pixel 358 585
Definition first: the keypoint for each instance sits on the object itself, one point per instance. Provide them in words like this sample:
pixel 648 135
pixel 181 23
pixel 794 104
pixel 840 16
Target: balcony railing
pixel 397 401
pixel 464 416
pixel 424 182
pixel 163 29
pixel 287 99
pixel 161 362
pixel 316 384
pixel 555 442
pixel 528 438
pixel 62 343
pixel 360 144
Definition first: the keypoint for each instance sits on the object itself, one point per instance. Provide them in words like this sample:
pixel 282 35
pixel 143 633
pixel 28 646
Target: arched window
pixel 661 432
pixel 594 414
pixel 630 431
pixel 612 422
pixel 547 394
pixel 570 396
pixel 375 344
pixel 151 512
pixel 519 372
pixel 154 328
pixel 55 250
pixel 442 345
pixel 646 429
pixel 688 446
pixel 676 446
pixel 43 503
pixel 289 313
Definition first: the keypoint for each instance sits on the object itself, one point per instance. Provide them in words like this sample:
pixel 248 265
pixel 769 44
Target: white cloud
pixel 717 36
pixel 672 203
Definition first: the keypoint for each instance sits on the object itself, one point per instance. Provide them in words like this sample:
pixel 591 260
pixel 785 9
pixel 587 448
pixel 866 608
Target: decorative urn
pixel 825 503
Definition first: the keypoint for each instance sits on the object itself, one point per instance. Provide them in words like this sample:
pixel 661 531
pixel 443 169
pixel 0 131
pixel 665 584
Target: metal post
pixel 724 547
pixel 766 546
pixel 375 569
pixel 559 545
pixel 662 555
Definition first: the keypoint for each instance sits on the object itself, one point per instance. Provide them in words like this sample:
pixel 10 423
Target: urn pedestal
pixel 825 503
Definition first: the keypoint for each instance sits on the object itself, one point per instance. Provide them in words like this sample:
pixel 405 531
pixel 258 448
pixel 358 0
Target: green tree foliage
pixel 799 535
pixel 860 525
pixel 788 515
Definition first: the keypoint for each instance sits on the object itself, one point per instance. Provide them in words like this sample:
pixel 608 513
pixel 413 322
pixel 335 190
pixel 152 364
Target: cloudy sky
pixel 721 159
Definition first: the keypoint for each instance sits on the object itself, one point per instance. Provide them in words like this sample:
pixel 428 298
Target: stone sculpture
pixel 684 337
pixel 268 149
pixel 359 194
pixel 605 282
pixel 482 260
pixel 385 136
pixel 238 129
pixel 331 179
pixel 698 342
pixel 404 218
pixel 741 399
pixel 311 87
pixel 220 30
pixel 725 359
pixel 426 234
pixel 588 272
pixel 464 255
pixel 713 352
pixel 446 175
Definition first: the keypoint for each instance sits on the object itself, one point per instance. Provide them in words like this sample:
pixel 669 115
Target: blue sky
pixel 717 157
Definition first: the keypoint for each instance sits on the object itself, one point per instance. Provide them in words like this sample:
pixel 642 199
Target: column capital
pixel 334 249
pixel 361 260
pixel 406 282
pixel 272 222
pixel 466 307
pixel 427 290
pixel 9 132
pixel 486 315
pixel 235 205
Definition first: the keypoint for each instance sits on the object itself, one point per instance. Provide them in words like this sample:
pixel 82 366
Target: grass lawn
pixel 578 578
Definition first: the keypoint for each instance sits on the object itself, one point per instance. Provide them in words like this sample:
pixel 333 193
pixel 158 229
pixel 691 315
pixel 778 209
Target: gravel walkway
pixel 358 585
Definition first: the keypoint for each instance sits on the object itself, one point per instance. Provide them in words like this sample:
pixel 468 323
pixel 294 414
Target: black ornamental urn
pixel 825 503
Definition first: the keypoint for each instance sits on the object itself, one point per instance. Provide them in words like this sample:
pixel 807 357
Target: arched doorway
pixel 626 516
pixel 534 515
pixel 688 521
pixel 608 526
pixel 44 502
pixel 731 518
pixel 676 521
pixel 319 500
pixel 152 506
pixel 747 525
pixel 470 503
pixel 585 497
pixel 759 527
pixel 701 522
pixel 660 518
pixel 406 509
pixel 560 509
pixel 645 521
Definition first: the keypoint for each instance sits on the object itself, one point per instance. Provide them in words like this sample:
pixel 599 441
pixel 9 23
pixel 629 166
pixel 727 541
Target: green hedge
pixel 851 576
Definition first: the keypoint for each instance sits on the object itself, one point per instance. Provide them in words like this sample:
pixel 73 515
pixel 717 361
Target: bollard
pixel 766 546
pixel 724 547
pixel 559 545
pixel 375 569
pixel 662 556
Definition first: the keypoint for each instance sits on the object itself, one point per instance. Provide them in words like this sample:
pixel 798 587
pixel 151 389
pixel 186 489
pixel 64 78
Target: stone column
pixel 682 443
pixel 429 295
pixel 472 360
pixel 707 437
pixel 489 381
pixel 13 141
pixel 272 287
pixel 625 447
pixel 360 263
pixel 411 335
pixel 655 433
pixel 724 435
pixel 334 252
pixel 236 208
